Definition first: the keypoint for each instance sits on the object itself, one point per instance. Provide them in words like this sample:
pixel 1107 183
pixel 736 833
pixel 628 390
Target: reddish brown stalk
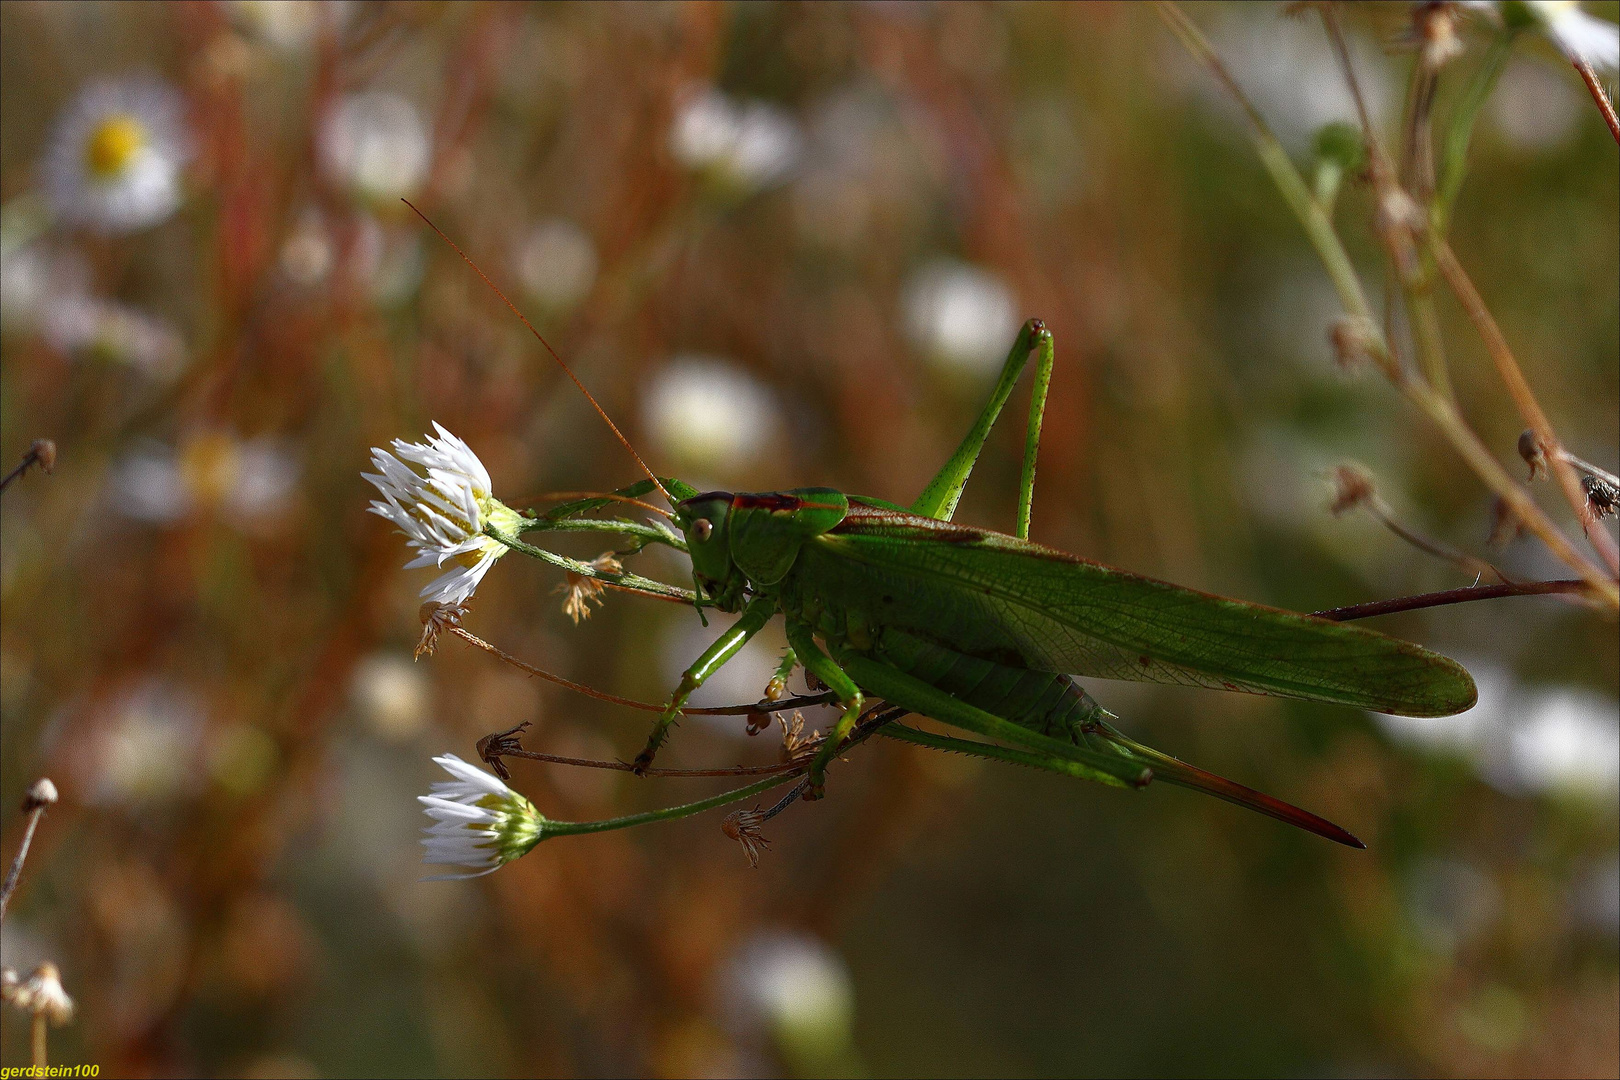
pixel 1452 596
pixel 560 362
pixel 1599 95
pixel 625 766
pixel 797 702
pixel 1519 389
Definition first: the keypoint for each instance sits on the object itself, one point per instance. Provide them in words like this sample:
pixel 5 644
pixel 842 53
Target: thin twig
pixel 1519 389
pixel 657 483
pixel 39 798
pixel 625 766
pixel 1599 95
pixel 1394 204
pixel 1587 467
pixel 797 702
pixel 1441 411
pixel 41 453
pixel 569 496
pixel 505 744
pixel 1470 563
pixel 1452 596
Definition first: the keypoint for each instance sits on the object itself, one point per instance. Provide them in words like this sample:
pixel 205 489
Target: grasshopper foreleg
pixel 754 618
pixel 850 697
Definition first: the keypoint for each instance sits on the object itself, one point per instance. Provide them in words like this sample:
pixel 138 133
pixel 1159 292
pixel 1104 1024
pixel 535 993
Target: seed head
pixel 1352 338
pixel 1534 454
pixel 44 451
pixel 1352 487
pixel 41 793
pixel 436 619
pixel 1602 497
pixel 743 826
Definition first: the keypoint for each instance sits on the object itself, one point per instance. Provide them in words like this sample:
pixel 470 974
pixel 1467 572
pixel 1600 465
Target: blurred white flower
pixel 442 510
pixel 387 261
pixel 960 317
pixel 556 261
pixel 148 751
pixel 705 414
pixel 1566 741
pixel 286 24
pixel 480 823
pixel 115 159
pixel 1579 36
pixel 307 254
pixel 92 327
pixel 375 144
pixel 1288 69
pixel 250 481
pixel 32 278
pixel 391 695
pixel 1527 741
pixel 1534 108
pixel 800 989
pixel 741 146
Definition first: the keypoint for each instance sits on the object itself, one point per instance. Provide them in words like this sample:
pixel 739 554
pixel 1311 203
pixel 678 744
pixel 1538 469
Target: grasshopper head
pixel 705 519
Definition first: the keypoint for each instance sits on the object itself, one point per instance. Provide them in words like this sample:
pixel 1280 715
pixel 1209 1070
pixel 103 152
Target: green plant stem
pixel 647 534
pixel 669 813
pixel 1318 227
pixel 629 582
pixel 1460 133
pixel 1392 222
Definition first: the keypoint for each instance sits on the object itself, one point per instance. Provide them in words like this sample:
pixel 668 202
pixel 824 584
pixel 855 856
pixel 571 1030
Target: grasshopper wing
pixel 993 595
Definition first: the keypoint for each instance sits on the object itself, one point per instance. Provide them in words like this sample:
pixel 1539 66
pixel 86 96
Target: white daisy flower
pixel 1581 37
pixel 480 823
pixel 443 513
pixel 115 159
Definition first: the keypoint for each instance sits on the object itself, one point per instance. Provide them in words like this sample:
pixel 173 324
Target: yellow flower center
pixel 210 466
pixel 113 143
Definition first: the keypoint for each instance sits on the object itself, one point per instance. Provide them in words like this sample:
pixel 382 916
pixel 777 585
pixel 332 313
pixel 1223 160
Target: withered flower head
pixel 1534 454
pixel 743 826
pixel 1352 487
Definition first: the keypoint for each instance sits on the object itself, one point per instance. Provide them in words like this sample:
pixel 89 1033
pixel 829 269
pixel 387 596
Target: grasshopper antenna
pixel 560 362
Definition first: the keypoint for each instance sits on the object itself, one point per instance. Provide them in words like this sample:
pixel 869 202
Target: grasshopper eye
pixel 702 529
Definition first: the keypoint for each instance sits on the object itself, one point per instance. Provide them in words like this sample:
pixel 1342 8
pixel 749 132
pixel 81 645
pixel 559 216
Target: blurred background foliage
pixel 785 244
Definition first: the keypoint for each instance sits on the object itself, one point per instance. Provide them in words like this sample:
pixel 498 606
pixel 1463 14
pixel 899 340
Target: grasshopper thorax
pixel 751 540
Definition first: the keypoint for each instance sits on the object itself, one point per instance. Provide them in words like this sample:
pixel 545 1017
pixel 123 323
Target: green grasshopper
pixel 984 631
